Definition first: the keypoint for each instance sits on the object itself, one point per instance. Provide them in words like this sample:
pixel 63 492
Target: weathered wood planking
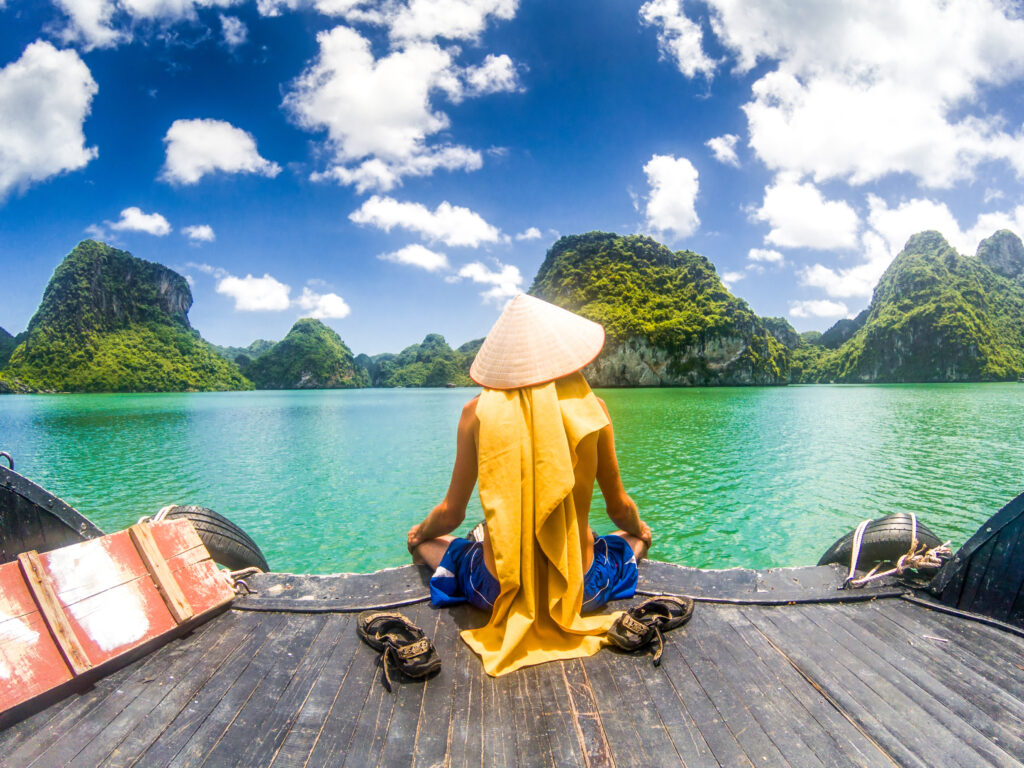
pixel 30 662
pixel 200 581
pixel 862 684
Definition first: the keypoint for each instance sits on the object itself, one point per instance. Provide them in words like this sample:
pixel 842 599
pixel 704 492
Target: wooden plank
pixel 964 643
pixel 555 722
pixel 399 744
pixel 201 582
pixel 680 726
pixel 38 734
pixel 627 673
pixel 714 729
pixel 269 737
pixel 168 695
pixel 755 742
pixel 30 661
pixel 165 582
pixel 204 704
pixel 921 693
pixel 435 713
pixel 626 747
pixel 860 691
pixel 204 739
pixel 834 738
pixel 359 683
pixel 937 655
pixel 465 726
pixel 308 727
pixel 373 721
pixel 43 593
pixel 110 602
pixel 589 727
pixel 741 670
pixel 90 739
pixel 247 732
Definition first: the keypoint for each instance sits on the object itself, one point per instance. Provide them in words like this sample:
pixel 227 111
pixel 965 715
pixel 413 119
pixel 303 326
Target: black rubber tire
pixel 228 544
pixel 884 541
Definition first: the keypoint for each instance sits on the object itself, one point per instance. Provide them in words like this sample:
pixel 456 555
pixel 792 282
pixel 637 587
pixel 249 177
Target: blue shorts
pixel 462 575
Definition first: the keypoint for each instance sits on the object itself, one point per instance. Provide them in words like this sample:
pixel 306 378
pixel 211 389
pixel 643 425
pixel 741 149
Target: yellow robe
pixel 526 454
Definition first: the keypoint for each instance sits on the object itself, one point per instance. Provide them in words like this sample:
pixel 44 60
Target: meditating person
pixel 536 438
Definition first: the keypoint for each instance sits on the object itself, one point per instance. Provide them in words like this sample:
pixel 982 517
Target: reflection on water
pixel 329 481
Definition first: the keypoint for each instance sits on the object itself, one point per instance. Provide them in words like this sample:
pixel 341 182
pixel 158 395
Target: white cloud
pixel 818 308
pixel 860 89
pixel 134 220
pixel 451 224
pixel 765 256
pixel 679 38
pixel 233 30
pixel 45 97
pixel 198 147
pixel 379 114
pixel 531 233
pixel 800 217
pixel 671 203
pixel 89 22
pixel 105 23
pixel 200 233
pixel 256 294
pixel 451 19
pixel 729 279
pixel 418 256
pixel 497 74
pixel 322 306
pixel 889 230
pixel 724 149
pixel 505 281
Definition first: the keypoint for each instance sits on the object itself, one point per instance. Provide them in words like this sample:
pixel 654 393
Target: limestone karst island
pixel 111 322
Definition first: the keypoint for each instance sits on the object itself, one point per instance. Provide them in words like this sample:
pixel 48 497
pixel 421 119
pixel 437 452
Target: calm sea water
pixel 331 481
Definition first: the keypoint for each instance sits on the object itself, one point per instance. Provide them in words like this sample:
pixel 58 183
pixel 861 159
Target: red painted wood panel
pixel 30 662
pixel 197 575
pixel 107 594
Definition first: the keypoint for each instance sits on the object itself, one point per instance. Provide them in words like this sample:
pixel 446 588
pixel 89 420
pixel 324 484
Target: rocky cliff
pixel 936 316
pixel 668 318
pixel 431 363
pixel 311 356
pixel 109 322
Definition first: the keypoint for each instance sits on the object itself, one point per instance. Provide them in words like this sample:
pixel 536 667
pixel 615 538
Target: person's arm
pixel 621 508
pixel 449 514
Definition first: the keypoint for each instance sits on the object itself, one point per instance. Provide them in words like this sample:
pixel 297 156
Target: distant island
pixel 110 322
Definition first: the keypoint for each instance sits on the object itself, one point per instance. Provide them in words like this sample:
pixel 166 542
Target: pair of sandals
pixel 405 647
pixel 402 645
pixel 642 624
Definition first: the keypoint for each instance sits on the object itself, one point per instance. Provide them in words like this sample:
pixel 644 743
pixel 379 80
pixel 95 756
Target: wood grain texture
pixel 164 580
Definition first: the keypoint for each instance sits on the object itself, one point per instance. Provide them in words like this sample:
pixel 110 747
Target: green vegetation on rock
pixel 431 363
pixel 668 318
pixel 935 316
pixel 109 322
pixel 311 356
pixel 8 344
pixel 233 354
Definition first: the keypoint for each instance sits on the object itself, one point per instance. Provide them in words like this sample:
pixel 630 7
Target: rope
pixel 237 578
pixel 917 557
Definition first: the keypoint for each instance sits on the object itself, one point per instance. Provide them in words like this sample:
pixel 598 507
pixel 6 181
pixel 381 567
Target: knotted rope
pixel 917 557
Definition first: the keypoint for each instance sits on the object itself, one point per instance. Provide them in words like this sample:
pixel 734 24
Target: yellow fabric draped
pixel 526 454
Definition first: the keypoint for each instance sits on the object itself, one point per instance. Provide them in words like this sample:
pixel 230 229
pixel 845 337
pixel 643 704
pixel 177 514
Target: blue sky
pixel 401 167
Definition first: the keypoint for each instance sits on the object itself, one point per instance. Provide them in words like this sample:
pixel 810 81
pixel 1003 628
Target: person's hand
pixel 645 534
pixel 415 537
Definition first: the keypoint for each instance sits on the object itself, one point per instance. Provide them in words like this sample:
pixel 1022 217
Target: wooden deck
pixel 872 683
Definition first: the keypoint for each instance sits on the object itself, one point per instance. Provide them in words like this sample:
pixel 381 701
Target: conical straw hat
pixel 534 342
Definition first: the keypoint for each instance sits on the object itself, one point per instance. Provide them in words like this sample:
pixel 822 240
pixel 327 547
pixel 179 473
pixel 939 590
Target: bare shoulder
pixel 469 412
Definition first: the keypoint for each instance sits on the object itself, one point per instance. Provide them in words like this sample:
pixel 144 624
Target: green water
pixel 331 481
